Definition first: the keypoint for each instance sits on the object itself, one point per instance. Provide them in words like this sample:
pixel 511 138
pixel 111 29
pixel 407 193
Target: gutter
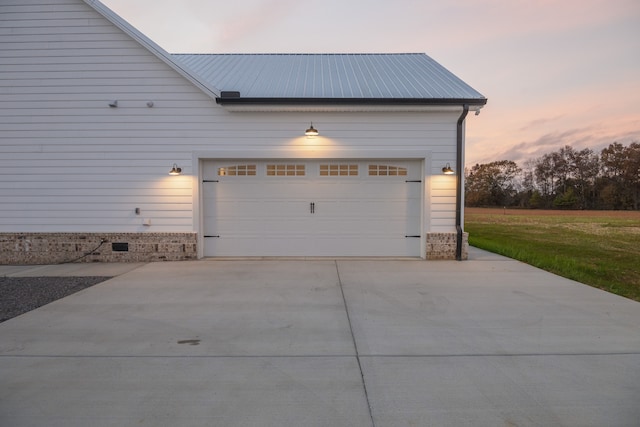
pixel 459 189
pixel 234 98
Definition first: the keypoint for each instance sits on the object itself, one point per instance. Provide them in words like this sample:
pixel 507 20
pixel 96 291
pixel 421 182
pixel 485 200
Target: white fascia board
pixel 152 47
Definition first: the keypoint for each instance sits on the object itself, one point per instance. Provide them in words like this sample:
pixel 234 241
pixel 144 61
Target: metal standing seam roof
pixel 409 77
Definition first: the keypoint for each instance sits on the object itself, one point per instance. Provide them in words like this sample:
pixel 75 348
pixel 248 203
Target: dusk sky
pixel 556 72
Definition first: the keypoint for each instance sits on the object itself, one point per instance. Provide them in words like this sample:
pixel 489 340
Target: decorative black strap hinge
pixel 210 180
pixel 211 236
pixel 417 180
pixel 418 236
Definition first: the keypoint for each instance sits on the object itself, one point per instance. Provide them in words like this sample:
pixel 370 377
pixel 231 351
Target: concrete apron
pixel 483 342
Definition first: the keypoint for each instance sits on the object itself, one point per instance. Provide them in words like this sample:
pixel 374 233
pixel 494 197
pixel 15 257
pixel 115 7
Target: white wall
pixel 69 162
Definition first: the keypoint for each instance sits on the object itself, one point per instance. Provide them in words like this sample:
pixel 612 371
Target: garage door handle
pixel 312 207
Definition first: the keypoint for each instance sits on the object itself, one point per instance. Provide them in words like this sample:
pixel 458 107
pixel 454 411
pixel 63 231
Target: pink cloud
pixel 490 21
pixel 249 22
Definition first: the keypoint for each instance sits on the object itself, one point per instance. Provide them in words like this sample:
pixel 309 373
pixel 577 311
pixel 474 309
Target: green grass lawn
pixel 600 249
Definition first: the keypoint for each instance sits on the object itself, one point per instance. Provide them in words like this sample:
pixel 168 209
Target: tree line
pixel 564 179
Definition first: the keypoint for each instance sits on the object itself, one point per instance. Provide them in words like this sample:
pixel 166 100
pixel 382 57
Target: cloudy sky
pixel 556 72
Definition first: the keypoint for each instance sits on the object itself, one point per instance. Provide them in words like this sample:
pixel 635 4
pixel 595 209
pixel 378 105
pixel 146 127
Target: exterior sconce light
pixel 447 170
pixel 175 170
pixel 311 131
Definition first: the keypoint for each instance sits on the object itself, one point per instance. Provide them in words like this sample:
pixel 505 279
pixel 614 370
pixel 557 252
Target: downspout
pixel 459 189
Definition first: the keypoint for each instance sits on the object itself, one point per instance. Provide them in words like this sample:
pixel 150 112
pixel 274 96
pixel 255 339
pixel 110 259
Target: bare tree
pixel 492 184
pixel 567 178
pixel 620 176
pixel 585 167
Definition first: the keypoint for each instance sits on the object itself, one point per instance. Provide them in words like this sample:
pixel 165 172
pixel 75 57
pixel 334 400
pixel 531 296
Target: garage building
pixel 271 154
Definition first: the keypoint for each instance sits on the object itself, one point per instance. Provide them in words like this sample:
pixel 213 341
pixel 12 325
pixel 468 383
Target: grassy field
pixel 598 248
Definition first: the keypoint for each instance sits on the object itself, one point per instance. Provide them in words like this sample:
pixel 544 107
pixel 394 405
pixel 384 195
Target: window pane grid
pixel 342 169
pixel 387 170
pixel 286 170
pixel 237 170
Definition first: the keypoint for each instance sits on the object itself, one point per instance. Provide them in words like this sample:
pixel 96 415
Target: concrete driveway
pixel 486 342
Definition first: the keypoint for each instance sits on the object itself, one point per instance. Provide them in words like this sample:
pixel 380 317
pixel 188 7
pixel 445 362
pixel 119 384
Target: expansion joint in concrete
pixel 355 345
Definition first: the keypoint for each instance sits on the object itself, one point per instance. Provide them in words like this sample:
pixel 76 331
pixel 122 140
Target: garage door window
pixel 338 169
pixel 387 170
pixel 286 170
pixel 237 170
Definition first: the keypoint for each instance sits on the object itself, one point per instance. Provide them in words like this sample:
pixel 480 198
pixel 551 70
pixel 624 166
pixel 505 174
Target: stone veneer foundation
pixel 56 248
pixel 442 246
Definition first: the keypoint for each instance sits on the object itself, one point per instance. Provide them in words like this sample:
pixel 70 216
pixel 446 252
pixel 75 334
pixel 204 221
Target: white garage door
pixel 312 208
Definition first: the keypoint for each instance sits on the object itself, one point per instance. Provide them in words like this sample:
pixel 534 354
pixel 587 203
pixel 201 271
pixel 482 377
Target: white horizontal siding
pixel 69 162
pixel 67 208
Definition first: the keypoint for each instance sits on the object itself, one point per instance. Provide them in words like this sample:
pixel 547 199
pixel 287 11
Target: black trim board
pixel 349 101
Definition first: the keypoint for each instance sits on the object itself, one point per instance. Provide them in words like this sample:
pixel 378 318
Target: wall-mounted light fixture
pixel 311 131
pixel 447 170
pixel 113 104
pixel 175 170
